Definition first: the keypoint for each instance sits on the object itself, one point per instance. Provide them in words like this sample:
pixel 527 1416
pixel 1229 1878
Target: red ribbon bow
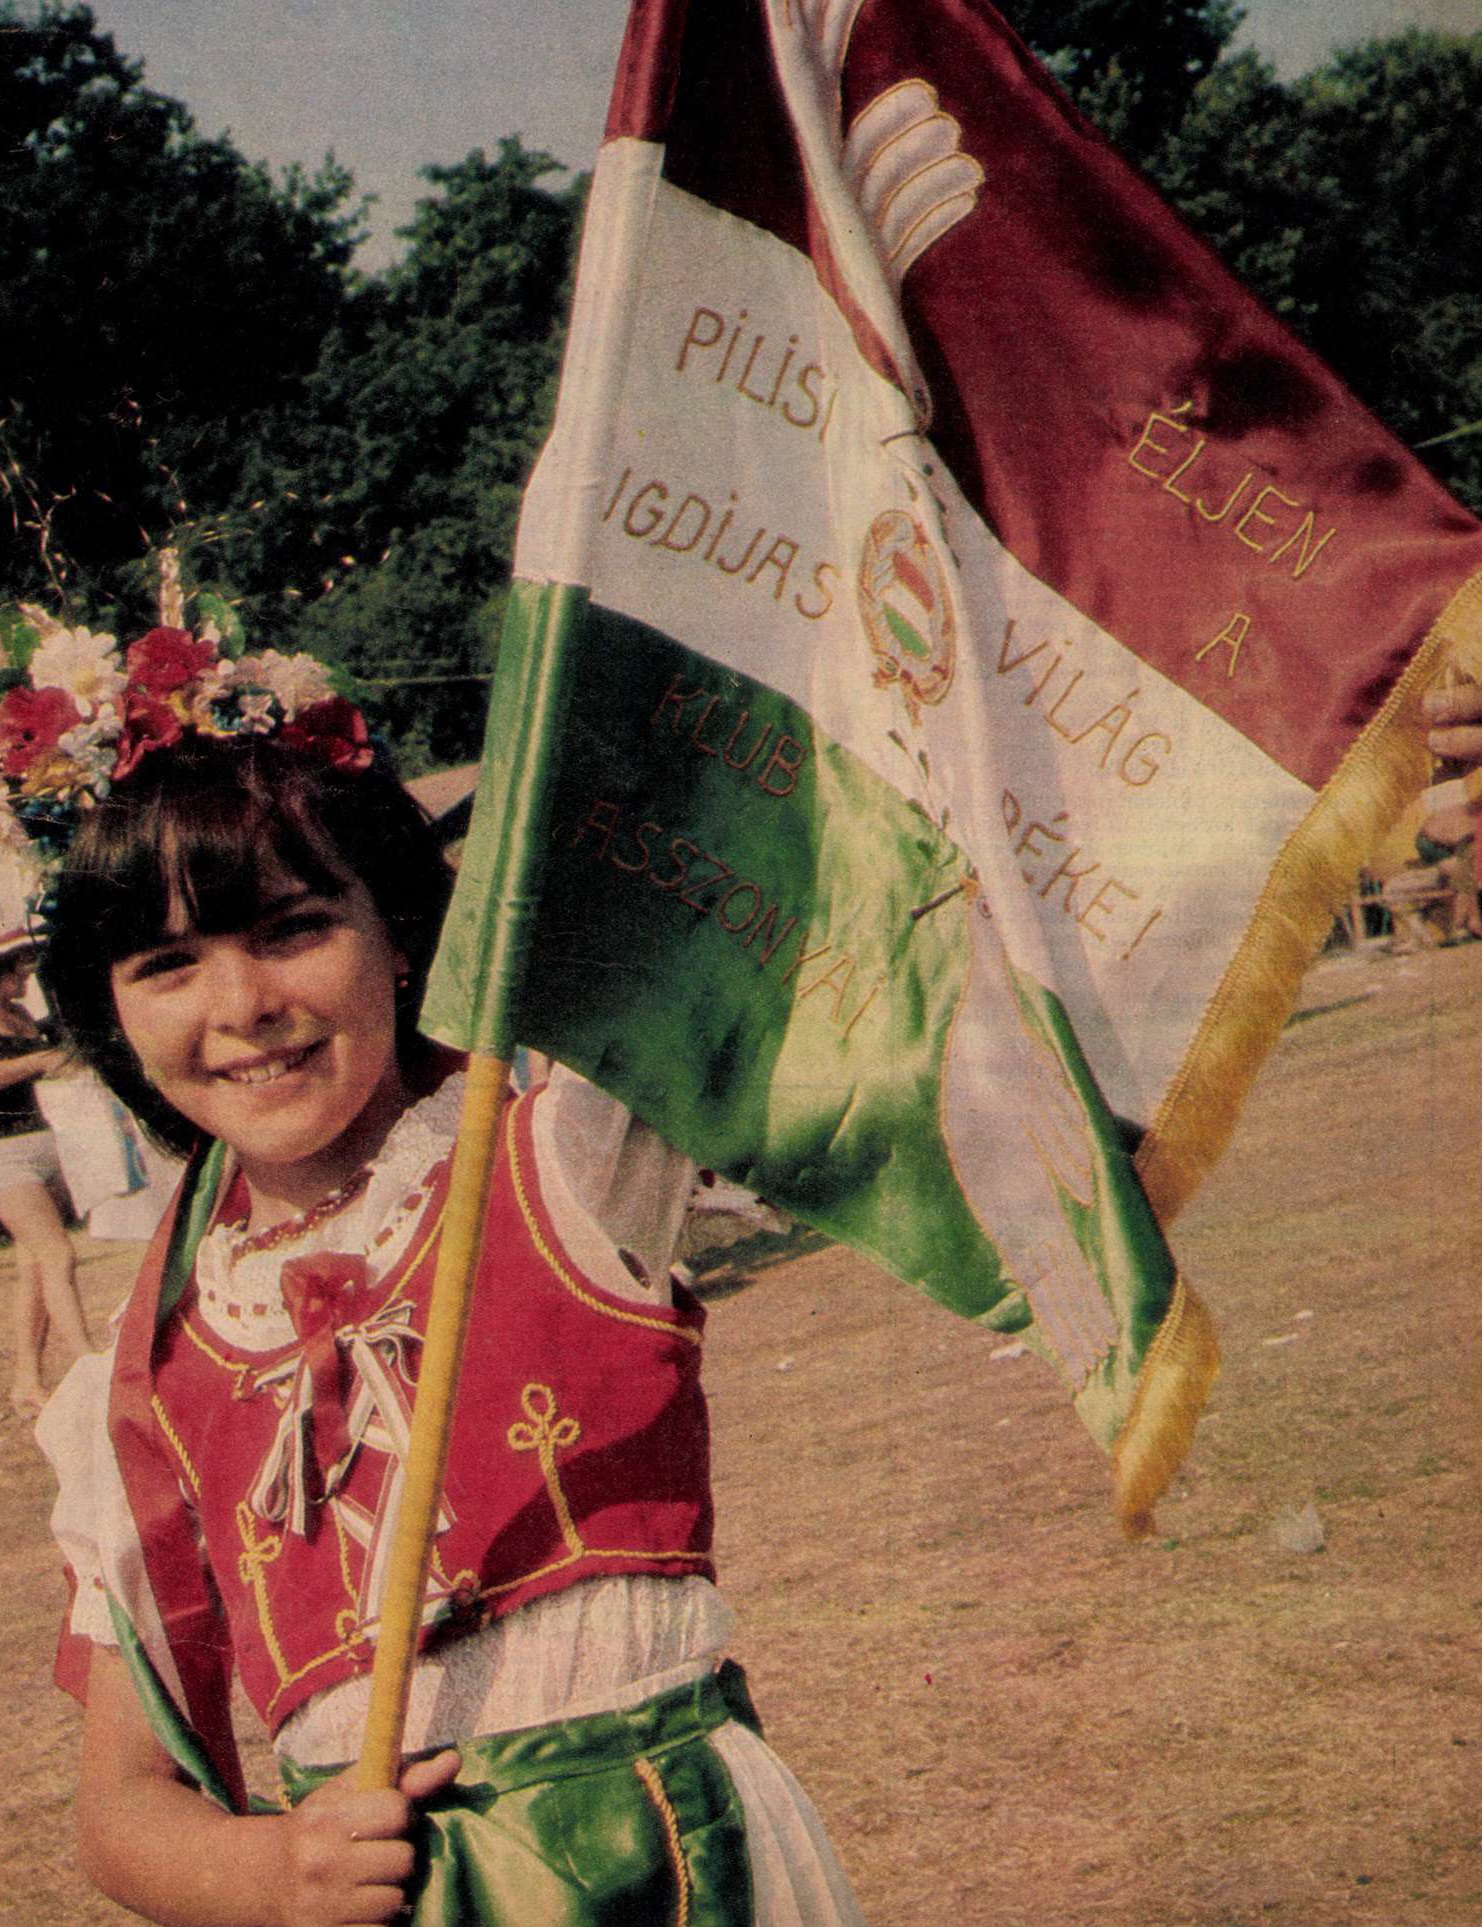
pixel 325 1293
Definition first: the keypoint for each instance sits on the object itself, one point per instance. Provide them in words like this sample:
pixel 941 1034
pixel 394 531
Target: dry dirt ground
pixel 1010 1717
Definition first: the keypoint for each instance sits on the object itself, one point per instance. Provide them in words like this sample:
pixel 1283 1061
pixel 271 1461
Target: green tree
pixel 1131 66
pixel 159 295
pixel 389 498
pixel 1348 200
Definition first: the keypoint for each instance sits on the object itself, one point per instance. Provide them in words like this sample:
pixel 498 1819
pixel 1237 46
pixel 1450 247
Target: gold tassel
pixel 1312 878
pixel 1182 1364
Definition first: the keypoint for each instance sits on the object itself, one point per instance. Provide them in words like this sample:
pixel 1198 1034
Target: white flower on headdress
pixel 91 745
pixel 87 666
pixel 196 702
pixel 296 681
pixel 255 707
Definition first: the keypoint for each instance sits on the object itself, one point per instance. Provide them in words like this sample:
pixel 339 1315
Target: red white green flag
pixel 961 649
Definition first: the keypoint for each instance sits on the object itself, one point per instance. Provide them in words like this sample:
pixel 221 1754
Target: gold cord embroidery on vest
pixel 258 1553
pixel 177 1443
pixel 546 1435
pixel 645 1320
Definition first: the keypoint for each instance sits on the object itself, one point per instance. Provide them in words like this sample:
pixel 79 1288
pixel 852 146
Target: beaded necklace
pixel 328 1206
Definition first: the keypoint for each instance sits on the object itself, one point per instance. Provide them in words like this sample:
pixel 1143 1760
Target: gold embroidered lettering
pixel 781 556
pixel 1052 714
pixel 772 938
pixel 1070 877
pixel 807 385
pixel 617 494
pixel 697 734
pixel 741 388
pixel 667 541
pixel 792 348
pixel 825 593
pixel 804 957
pixel 1027 843
pixel 1122 712
pixel 1005 662
pixel 783 765
pixel 644 859
pixel 720 873
pixel 736 890
pixel 725 523
pixel 731 347
pixel 694 339
pixel 1033 696
pixel 603 818
pixel 676 844
pixel 1182 470
pixel 1103 903
pixel 762 735
pixel 1303 534
pixel 1147 764
pixel 1256 513
pixel 1231 637
pixel 735 568
pixel 1215 517
pixel 1128 952
pixel 873 994
pixel 1149 440
pixel 660 496
pixel 831 980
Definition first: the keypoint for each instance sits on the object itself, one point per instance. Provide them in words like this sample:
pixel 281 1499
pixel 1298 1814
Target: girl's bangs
pixel 209 862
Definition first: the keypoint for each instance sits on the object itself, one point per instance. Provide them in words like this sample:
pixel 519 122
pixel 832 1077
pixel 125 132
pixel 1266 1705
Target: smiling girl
pixel 238 943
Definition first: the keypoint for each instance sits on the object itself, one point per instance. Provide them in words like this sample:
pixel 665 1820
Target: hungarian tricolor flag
pixel 962 649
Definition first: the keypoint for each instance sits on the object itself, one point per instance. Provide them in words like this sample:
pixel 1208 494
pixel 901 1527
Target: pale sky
pixel 391 85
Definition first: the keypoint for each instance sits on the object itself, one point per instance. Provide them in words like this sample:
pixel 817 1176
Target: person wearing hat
pixel 45 1264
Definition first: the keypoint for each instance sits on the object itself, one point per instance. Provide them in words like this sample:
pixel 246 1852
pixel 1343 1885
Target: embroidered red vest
pixel 579 1445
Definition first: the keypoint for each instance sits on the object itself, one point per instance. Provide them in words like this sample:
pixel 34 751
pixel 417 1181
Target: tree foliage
pixel 1131 66
pixel 1349 200
pixel 390 495
pixel 159 295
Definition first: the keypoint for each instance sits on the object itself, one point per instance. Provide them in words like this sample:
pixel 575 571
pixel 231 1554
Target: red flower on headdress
pixel 334 730
pixel 166 659
pixel 149 723
pixel 33 721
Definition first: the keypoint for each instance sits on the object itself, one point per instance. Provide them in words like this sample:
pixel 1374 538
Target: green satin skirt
pixel 624 1819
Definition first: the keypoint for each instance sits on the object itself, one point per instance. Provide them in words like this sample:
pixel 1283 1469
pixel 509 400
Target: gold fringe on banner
pixel 1312 878
pixel 1314 875
pixel 1182 1364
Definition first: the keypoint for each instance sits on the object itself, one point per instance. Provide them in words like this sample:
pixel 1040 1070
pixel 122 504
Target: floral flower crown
pixel 85 716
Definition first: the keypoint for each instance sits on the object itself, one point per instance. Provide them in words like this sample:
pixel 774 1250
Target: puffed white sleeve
pixel 90 1521
pixel 611 1184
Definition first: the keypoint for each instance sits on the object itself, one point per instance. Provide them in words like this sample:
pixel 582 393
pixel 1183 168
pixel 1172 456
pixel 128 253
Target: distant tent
pixel 447 797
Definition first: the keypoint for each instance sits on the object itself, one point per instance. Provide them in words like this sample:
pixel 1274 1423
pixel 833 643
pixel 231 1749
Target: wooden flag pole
pixel 432 1420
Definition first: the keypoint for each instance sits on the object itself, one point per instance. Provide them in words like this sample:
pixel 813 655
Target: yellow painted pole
pixel 432 1420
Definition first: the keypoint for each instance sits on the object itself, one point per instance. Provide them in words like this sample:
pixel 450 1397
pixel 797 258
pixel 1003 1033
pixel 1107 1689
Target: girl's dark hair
pixel 200 826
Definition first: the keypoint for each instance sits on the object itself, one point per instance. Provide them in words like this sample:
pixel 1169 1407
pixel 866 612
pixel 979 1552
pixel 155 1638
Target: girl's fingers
pixel 423 1778
pixel 1460 703
pixel 1461 743
pixel 378 1911
pixel 378 1905
pixel 381 1863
